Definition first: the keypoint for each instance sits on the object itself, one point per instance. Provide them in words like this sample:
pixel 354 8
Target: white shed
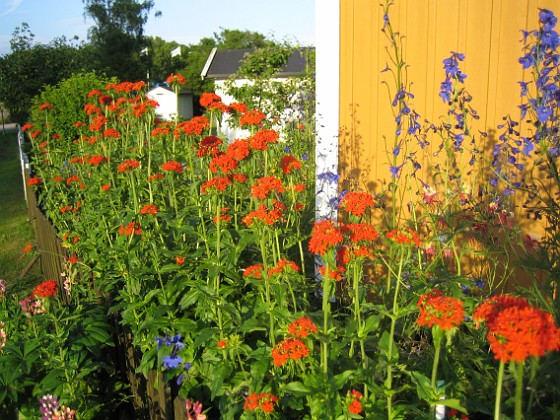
pixel 169 106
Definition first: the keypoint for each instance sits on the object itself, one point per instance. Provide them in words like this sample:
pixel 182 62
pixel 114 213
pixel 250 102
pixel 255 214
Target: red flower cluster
pixel 45 289
pixel 128 164
pixel 34 181
pixel 225 162
pixel 325 235
pixel 252 117
pixel 149 209
pixel 172 166
pixel 209 97
pixel 437 309
pixel 279 267
pixel 289 164
pixel 254 271
pixel 356 203
pixel 176 78
pixel 517 330
pixel 263 186
pixel 263 138
pixel 219 183
pixel 360 232
pixel 289 349
pixel 196 125
pixel 239 149
pixel 97 160
pixel 355 406
pixel 210 145
pixel 404 237
pixel 302 327
pixel 132 228
pixel 264 215
pixel 334 274
pixel 264 401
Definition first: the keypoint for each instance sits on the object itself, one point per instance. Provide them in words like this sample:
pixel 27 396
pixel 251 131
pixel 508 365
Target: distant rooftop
pixel 221 64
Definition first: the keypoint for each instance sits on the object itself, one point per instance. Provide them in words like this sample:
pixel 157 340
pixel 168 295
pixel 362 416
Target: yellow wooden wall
pixel 488 32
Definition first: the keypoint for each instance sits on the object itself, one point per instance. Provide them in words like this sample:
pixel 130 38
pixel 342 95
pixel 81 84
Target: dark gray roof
pixel 223 63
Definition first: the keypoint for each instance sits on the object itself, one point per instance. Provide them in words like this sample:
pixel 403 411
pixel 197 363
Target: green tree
pixel 22 38
pixel 162 64
pixel 197 55
pixel 118 35
pixel 24 72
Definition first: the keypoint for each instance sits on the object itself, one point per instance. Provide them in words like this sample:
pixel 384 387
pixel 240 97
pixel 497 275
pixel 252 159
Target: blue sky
pixel 184 21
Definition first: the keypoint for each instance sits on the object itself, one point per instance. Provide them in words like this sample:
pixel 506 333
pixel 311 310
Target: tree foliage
pixel 24 72
pixel 118 35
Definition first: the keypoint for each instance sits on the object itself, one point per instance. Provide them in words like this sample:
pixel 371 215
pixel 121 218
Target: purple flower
pixel 395 170
pixel 172 361
pixel 547 19
pixel 328 176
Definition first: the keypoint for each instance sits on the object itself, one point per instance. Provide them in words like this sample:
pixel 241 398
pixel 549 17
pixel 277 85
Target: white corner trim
pixel 327 42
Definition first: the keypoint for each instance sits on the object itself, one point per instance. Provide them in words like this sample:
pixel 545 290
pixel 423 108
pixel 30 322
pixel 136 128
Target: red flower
pixel 154 176
pixel 356 203
pixel 325 235
pixel 355 406
pixel 264 401
pixel 238 107
pixel 334 274
pixel 517 330
pixel 360 232
pixel 45 289
pixel 239 149
pixel 302 327
pixel 437 309
pixel 106 187
pixel 279 267
pixel 111 132
pixel 218 183
pixel 289 349
pixel 208 97
pixel 149 209
pixel 404 237
pixel 210 145
pixel 195 125
pixel 34 181
pixel 172 166
pixel 221 344
pixel 97 159
pixel 128 164
pixel 132 228
pixel 44 106
pixel 179 260
pixel 289 163
pixel 252 117
pixel 254 271
pixel 26 127
pixel 263 138
pixel 224 162
pixel 27 248
pixel 263 186
pixel 176 78
pixel 264 215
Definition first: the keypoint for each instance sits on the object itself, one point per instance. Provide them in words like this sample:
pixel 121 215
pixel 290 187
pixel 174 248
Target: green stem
pixel 389 380
pixel 497 409
pixel 519 390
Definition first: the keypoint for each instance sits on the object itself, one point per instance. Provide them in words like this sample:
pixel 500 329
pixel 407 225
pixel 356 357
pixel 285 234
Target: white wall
pixel 327 36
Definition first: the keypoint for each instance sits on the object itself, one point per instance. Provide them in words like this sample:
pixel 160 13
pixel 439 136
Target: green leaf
pixel 338 381
pixel 218 376
pixel 423 386
pixel 297 388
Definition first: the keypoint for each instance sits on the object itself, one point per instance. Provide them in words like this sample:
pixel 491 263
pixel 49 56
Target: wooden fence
pixel 152 398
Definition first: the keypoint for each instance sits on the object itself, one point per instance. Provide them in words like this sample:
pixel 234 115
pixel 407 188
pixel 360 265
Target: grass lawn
pixel 15 229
